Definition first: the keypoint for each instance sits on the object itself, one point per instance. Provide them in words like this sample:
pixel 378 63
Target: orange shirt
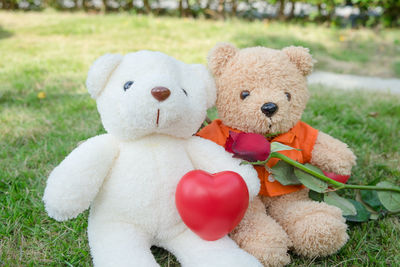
pixel 301 136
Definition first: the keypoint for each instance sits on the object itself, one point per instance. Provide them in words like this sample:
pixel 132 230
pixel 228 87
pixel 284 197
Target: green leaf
pixel 371 198
pixel 276 146
pixel 374 216
pixel 389 199
pixel 257 163
pixel 284 173
pixel 212 113
pixel 363 214
pixel 345 205
pixel 269 135
pixel 316 196
pixel 310 181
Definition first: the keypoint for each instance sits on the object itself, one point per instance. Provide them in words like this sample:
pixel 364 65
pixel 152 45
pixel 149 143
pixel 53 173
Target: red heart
pixel 211 205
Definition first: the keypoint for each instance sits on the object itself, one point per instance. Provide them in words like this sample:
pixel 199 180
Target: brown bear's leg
pixel 315 228
pixel 262 236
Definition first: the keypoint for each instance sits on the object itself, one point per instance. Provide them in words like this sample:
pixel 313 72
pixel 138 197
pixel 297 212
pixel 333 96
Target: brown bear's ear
pixel 301 57
pixel 219 56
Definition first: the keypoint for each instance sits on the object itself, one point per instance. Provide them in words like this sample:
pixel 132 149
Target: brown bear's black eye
pixel 127 85
pixel 289 96
pixel 244 94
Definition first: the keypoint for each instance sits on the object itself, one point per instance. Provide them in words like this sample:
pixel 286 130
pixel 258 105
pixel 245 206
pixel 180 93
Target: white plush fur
pixel 100 72
pixel 129 176
pixel 133 113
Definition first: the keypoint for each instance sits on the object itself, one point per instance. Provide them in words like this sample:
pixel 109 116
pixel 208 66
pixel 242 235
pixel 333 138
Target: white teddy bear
pixel 150 105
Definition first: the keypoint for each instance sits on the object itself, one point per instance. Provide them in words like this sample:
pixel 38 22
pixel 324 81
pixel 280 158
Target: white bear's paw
pixel 59 214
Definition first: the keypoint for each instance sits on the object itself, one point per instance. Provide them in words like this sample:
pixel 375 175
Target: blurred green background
pixel 334 12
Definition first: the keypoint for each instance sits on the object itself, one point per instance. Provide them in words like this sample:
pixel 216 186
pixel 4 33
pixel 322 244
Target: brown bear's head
pixel 259 89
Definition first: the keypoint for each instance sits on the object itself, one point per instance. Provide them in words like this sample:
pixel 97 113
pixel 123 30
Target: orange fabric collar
pixel 301 136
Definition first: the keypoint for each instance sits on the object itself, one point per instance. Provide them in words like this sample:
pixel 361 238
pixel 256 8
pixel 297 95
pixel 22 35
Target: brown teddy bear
pixel 264 91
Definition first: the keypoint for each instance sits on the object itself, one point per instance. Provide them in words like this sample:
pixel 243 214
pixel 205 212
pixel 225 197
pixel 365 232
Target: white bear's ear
pixel 206 78
pixel 100 72
pixel 219 56
pixel 301 57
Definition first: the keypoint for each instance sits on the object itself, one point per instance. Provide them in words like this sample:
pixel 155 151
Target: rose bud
pixel 337 177
pixel 248 146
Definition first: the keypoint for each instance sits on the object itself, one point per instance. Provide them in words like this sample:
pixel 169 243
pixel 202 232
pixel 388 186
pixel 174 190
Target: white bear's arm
pixel 210 157
pixel 74 183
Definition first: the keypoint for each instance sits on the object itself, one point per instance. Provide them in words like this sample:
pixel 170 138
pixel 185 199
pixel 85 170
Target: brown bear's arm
pixel 332 155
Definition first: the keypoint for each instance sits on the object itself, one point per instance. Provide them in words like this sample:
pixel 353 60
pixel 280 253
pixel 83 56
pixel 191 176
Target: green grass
pixel 51 53
pixel 396 67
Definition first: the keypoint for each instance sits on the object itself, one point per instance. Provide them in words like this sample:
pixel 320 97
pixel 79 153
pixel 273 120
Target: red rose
pixel 248 146
pixel 337 177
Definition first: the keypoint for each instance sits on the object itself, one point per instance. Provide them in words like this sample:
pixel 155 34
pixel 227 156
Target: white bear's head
pixel 149 92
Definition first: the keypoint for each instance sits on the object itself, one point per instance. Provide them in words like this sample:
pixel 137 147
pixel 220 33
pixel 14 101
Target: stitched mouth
pixel 269 123
pixel 158 116
pixel 272 123
pixel 273 126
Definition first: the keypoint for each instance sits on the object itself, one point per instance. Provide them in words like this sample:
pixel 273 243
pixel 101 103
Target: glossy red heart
pixel 211 205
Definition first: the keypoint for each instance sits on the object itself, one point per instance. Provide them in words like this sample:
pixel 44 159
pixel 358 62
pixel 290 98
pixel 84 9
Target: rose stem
pixel 336 184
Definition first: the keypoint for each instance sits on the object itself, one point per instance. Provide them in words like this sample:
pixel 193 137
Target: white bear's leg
pixel 192 251
pixel 119 244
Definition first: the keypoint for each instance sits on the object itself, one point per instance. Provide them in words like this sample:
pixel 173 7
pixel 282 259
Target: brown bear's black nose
pixel 160 93
pixel 269 109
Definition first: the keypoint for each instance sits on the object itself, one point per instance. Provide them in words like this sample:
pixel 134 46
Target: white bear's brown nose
pixel 269 109
pixel 160 93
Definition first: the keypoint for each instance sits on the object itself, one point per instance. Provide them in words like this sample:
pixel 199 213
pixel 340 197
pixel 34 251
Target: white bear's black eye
pixel 244 94
pixel 184 91
pixel 127 85
pixel 289 96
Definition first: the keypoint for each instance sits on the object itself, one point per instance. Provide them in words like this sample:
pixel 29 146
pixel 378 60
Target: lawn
pixel 45 111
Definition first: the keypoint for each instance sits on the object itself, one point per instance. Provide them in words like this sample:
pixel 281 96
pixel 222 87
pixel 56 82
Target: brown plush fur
pixel 332 155
pixel 258 229
pixel 317 229
pixel 273 225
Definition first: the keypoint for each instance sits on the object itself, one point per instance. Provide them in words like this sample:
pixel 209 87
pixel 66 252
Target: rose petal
pixel 337 177
pixel 229 142
pixel 251 147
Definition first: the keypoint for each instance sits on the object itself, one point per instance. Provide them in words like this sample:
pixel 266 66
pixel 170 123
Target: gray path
pixel 351 82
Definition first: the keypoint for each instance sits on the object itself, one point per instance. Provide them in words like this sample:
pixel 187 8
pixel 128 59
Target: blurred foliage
pixel 370 12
